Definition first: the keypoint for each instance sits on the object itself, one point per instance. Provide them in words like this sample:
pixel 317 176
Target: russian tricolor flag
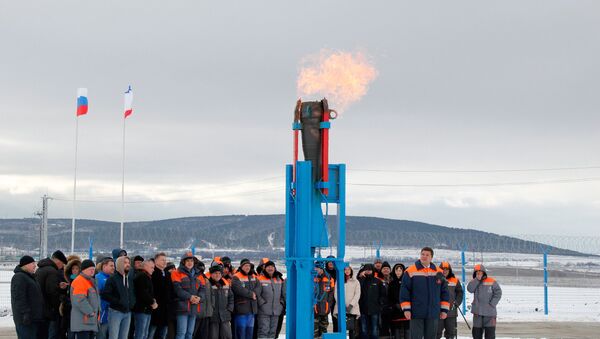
pixel 82 101
pixel 128 102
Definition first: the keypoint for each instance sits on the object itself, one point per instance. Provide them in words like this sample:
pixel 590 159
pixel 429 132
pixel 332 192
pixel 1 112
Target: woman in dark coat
pixel 399 324
pixel 71 272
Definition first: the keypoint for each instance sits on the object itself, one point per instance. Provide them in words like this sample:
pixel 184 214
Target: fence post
pixel 545 281
pixel 464 276
pixel 91 250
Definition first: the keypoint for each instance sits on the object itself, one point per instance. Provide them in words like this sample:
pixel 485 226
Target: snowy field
pixel 519 303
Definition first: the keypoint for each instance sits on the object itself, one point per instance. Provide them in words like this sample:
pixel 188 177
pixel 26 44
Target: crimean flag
pixel 128 102
pixel 82 101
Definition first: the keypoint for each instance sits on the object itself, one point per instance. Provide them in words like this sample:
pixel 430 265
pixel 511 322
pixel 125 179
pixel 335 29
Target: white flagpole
pixel 74 187
pixel 123 188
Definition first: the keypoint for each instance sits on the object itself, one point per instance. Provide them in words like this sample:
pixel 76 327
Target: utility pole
pixel 44 227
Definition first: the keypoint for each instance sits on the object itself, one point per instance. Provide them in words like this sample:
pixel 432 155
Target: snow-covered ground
pixel 526 303
pixel 519 303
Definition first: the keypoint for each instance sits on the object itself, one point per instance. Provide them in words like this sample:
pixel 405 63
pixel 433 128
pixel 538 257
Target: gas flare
pixel 342 77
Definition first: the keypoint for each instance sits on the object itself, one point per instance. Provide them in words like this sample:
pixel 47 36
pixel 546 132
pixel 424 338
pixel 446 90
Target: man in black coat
pixel 163 294
pixel 119 291
pixel 26 299
pixel 47 275
pixel 372 299
pixel 144 299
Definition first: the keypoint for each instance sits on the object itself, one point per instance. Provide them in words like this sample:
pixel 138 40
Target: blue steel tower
pixel 310 185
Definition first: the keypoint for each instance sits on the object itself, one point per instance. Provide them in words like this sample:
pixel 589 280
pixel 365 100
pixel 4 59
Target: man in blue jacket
pixel 107 268
pixel 424 296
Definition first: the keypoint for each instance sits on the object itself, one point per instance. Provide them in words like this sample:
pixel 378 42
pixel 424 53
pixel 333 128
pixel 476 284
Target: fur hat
pixel 69 268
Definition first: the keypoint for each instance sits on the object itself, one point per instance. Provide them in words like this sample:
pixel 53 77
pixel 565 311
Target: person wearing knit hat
pixel 371 302
pixel 26 299
pixel 386 271
pixel 486 296
pixel 170 267
pixel 245 287
pixel 137 262
pixel 215 268
pixel 226 261
pixel 49 276
pixel 368 267
pixel 85 302
pixel 261 265
pixel 203 317
pixel 378 262
pixel 87 263
pixel 271 300
pixel 385 325
pixel 243 262
pixel 27 260
pixel 60 256
pixel 222 303
pixel 189 295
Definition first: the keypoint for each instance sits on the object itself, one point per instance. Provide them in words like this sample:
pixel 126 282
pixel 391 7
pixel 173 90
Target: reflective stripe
pixel 445 305
pixel 405 305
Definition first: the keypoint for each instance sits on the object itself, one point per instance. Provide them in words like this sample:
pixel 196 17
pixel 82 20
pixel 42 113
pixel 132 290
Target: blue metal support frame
pixel 305 231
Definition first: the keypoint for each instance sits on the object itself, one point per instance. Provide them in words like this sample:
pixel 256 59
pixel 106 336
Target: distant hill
pixel 252 232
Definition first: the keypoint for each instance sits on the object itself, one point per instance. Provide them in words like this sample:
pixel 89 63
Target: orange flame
pixel 342 77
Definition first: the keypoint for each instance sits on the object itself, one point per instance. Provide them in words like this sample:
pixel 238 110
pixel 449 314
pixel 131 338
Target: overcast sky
pixel 462 85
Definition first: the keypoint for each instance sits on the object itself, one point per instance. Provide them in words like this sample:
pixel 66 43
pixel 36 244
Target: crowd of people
pixel 118 298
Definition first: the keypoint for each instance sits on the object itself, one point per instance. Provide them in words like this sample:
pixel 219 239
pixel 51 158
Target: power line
pixel 477 171
pixel 175 200
pixel 522 183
